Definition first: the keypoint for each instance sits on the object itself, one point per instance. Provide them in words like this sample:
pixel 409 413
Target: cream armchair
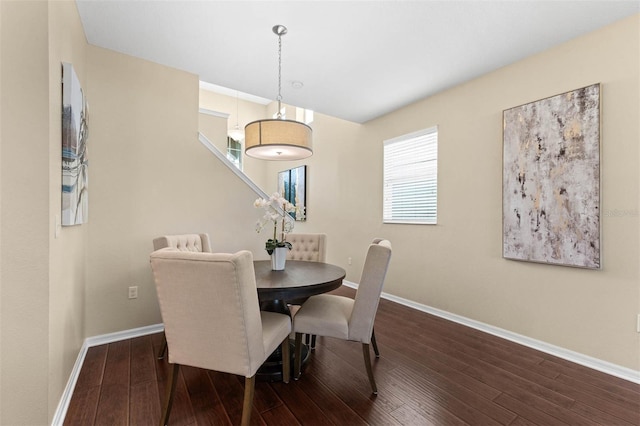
pixel 344 318
pixel 181 242
pixel 209 305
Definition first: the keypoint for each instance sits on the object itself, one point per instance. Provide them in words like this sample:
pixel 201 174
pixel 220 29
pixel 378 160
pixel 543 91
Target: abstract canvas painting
pixel 292 184
pixel 75 164
pixel 551 180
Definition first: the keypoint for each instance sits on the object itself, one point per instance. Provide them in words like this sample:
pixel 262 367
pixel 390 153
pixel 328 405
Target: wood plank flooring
pixel 431 372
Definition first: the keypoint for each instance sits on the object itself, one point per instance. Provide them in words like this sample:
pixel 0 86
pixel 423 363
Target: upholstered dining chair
pixel 310 248
pixel 307 247
pixel 182 242
pixel 209 305
pixel 344 318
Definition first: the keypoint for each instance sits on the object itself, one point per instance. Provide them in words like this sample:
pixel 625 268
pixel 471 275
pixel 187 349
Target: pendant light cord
pixel 279 76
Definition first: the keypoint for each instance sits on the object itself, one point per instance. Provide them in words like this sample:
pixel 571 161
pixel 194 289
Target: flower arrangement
pixel 276 209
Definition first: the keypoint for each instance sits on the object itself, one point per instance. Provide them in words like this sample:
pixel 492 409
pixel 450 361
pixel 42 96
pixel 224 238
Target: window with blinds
pixel 411 178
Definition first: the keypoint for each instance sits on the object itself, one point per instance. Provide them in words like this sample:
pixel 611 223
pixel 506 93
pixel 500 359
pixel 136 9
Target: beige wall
pixel 150 176
pixel 67 252
pixel 2 364
pixel 24 213
pixel 42 277
pixel 457 265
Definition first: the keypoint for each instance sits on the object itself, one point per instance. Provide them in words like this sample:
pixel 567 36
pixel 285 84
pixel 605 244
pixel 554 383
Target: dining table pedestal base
pixel 271 370
pixel 298 281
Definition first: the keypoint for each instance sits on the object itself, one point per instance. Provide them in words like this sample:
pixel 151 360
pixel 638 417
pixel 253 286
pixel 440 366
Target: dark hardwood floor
pixel 431 372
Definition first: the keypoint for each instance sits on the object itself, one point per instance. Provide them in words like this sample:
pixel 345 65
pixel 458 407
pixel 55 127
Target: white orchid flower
pixel 276 209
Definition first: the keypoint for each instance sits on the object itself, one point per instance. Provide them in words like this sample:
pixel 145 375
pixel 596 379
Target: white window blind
pixel 411 178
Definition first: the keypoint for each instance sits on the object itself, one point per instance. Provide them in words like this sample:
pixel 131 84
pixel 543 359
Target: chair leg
pixel 163 351
pixel 286 360
pixel 247 405
pixel 297 361
pixel 170 391
pixel 313 342
pixel 374 343
pixel 367 364
pixel 310 341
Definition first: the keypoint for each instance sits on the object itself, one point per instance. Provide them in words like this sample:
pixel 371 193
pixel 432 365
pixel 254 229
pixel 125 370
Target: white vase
pixel 278 258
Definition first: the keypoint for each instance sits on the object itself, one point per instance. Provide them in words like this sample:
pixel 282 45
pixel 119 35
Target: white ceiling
pixel 357 59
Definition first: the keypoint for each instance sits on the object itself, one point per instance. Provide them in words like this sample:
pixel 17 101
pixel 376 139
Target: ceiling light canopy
pixel 278 139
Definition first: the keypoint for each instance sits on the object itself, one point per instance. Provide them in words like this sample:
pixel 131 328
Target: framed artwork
pixel 551 180
pixel 292 184
pixel 75 178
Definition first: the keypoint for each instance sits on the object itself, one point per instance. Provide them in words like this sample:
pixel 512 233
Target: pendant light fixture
pixel 278 138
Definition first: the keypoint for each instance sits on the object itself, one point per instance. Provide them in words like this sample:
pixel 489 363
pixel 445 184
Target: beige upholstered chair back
pixel 209 306
pixel 369 290
pixel 308 247
pixel 185 242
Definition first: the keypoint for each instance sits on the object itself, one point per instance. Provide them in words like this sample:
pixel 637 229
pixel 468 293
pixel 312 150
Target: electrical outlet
pixel 638 324
pixel 133 292
pixel 349 260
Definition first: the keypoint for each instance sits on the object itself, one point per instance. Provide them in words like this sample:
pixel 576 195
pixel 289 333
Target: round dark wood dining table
pixel 296 282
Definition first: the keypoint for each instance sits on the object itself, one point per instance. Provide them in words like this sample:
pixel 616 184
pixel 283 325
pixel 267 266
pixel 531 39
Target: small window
pixel 234 151
pixel 411 178
pixel 304 115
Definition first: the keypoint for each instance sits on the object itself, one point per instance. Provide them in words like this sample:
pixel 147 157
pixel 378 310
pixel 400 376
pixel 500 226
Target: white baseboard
pixel 576 357
pixel 123 335
pixel 63 405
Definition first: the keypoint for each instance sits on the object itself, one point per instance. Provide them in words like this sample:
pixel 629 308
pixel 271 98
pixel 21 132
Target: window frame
pixel 425 207
pixel 237 161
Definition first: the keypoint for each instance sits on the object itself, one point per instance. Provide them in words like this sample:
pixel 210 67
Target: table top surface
pixel 298 279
